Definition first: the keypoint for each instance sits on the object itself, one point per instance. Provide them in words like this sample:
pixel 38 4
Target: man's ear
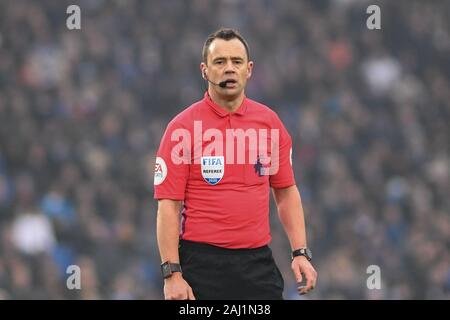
pixel 249 69
pixel 203 70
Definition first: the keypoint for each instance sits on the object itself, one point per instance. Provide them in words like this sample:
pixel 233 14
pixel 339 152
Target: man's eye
pixel 238 61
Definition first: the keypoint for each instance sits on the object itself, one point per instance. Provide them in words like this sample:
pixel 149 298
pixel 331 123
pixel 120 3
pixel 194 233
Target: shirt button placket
pixel 230 167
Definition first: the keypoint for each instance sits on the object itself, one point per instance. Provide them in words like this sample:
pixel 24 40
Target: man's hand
pixel 302 267
pixel 176 288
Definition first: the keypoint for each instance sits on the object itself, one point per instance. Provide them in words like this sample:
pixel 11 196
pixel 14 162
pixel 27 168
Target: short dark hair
pixel 225 34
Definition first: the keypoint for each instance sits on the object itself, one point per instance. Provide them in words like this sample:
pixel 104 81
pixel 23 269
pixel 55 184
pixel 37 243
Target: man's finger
pixel 314 278
pixel 302 290
pixel 181 296
pixel 298 275
pixel 309 281
pixel 191 294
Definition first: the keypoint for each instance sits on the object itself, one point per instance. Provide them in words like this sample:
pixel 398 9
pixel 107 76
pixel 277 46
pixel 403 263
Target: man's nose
pixel 229 68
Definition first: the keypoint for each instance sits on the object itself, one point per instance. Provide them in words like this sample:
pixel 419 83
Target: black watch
pixel 302 252
pixel 168 269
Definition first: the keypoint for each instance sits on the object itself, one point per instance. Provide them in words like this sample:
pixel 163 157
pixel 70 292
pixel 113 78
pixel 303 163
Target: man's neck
pixel 231 105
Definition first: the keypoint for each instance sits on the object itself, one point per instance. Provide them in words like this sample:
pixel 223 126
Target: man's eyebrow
pixel 224 58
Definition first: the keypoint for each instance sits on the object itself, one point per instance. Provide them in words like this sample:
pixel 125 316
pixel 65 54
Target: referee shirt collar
pixel 221 111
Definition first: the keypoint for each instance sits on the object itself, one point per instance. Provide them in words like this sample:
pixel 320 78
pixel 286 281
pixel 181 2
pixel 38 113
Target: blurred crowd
pixel 82 113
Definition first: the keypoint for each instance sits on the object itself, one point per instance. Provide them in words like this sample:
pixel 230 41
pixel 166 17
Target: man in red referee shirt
pixel 216 164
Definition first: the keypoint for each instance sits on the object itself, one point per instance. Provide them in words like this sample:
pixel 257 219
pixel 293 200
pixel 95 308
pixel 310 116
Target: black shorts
pixel 230 274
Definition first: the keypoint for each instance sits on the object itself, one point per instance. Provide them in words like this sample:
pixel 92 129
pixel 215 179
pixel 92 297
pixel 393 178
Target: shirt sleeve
pixel 172 163
pixel 284 177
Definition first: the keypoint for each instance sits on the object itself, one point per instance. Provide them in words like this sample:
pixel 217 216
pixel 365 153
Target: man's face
pixel 227 60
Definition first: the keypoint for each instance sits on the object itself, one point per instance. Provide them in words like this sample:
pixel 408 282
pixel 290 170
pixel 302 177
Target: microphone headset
pixel 221 84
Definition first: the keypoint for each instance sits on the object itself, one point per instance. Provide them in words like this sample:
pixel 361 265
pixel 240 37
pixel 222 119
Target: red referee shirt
pixel 222 166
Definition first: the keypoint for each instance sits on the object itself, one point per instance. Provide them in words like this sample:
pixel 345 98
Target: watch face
pixel 302 252
pixel 166 270
pixel 308 253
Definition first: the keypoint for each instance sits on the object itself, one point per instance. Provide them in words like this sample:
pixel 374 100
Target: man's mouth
pixel 230 83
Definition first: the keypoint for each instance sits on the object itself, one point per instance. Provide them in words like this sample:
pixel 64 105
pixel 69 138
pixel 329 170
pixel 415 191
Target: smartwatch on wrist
pixel 167 269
